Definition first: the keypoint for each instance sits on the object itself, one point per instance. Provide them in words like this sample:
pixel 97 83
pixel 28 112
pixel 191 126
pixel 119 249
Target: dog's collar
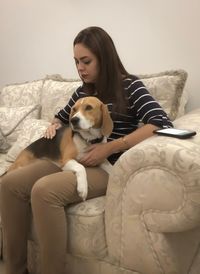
pixel 93 141
pixel 96 141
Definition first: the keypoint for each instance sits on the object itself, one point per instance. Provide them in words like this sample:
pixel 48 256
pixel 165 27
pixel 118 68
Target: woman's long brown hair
pixel 109 84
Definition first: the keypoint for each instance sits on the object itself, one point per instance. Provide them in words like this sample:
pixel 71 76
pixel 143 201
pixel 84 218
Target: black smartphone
pixel 175 132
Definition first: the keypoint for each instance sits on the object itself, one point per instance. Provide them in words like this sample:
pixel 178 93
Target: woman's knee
pixel 10 187
pixel 57 189
pixel 40 191
pixel 4 186
pixel 44 191
pixel 9 182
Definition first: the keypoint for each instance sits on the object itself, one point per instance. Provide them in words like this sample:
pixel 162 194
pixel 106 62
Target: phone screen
pixel 174 132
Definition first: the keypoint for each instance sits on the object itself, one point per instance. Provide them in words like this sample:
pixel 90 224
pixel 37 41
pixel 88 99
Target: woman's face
pixel 87 63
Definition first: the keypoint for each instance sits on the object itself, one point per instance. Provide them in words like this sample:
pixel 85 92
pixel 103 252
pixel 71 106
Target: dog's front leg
pixel 106 166
pixel 79 170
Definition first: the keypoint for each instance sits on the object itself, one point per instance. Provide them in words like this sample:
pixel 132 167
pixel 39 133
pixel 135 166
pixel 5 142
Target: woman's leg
pixel 48 198
pixel 15 211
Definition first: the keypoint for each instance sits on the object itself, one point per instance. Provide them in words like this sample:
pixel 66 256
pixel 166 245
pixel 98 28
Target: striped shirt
pixel 141 108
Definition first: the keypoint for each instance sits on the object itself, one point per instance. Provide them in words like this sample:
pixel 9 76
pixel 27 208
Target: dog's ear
pixel 107 123
pixel 71 113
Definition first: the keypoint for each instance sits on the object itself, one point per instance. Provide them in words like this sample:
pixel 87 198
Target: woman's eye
pixel 87 62
pixel 88 107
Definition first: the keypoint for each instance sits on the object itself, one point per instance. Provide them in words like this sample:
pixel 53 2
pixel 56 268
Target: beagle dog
pixel 89 123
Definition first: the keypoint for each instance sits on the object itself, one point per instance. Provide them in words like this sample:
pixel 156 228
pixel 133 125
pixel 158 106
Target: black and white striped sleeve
pixel 145 107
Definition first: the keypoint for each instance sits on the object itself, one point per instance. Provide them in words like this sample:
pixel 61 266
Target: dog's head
pixel 89 114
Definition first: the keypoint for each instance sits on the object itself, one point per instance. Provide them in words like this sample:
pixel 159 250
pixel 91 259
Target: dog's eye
pixel 88 107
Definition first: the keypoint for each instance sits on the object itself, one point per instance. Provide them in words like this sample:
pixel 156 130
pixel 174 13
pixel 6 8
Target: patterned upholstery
pixel 163 210
pixel 149 220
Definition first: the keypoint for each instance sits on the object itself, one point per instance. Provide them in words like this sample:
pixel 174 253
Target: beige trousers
pixel 43 187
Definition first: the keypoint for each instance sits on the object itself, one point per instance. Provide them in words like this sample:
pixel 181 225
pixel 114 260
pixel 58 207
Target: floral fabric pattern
pixel 167 88
pixel 86 228
pixel 55 96
pixel 155 190
pixel 4 146
pixel 32 130
pixel 19 95
pixel 12 118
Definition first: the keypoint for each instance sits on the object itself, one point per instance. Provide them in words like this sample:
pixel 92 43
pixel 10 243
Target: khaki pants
pixel 48 190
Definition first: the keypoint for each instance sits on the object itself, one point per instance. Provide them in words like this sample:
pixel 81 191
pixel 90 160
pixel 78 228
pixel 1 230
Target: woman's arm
pixel 131 139
pixel 51 130
pixel 97 153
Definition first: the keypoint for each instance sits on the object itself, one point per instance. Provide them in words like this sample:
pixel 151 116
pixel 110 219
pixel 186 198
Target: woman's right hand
pixel 51 130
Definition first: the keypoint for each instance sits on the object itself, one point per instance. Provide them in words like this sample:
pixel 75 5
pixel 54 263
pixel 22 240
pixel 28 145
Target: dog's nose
pixel 75 121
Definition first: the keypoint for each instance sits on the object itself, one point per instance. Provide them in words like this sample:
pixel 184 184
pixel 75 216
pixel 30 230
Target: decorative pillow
pixel 55 95
pixel 167 88
pixel 183 103
pixel 23 94
pixel 3 143
pixel 12 118
pixel 32 130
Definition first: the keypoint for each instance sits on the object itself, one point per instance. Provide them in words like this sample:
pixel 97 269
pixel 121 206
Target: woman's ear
pixel 107 123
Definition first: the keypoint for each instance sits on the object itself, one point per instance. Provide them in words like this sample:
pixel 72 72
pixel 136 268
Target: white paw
pixel 82 189
pixel 79 170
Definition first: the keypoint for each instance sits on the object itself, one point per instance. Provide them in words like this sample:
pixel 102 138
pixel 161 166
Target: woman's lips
pixel 84 75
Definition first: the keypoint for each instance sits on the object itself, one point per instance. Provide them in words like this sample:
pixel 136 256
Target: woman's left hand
pixel 95 155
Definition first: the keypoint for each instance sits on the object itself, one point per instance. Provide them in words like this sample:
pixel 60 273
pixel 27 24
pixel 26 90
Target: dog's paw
pixel 82 190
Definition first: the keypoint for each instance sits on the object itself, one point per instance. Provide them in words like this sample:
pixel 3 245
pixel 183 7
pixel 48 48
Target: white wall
pixel 151 35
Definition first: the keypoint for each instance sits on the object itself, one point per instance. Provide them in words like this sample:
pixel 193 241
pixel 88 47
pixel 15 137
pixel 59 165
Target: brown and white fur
pixel 89 122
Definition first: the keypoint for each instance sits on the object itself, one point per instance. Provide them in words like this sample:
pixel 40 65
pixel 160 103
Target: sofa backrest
pixel 22 94
pixel 190 121
pixel 44 98
pixel 55 95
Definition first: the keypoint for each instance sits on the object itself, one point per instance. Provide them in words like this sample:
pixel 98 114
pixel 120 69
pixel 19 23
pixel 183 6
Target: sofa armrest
pixel 155 187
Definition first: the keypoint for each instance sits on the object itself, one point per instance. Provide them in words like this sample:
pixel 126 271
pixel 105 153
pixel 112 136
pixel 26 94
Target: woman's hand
pixel 51 130
pixel 95 155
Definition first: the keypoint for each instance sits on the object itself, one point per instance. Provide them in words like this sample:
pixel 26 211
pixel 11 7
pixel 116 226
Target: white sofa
pixel 149 220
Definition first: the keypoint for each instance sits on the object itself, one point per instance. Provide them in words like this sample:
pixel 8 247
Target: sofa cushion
pixel 12 118
pixel 85 228
pixel 55 95
pixel 22 94
pixel 32 130
pixel 167 88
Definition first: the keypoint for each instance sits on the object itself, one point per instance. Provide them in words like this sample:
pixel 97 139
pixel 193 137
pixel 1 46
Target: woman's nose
pixel 80 67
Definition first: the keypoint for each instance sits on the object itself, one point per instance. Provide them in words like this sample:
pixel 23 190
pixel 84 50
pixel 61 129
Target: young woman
pixel 48 188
